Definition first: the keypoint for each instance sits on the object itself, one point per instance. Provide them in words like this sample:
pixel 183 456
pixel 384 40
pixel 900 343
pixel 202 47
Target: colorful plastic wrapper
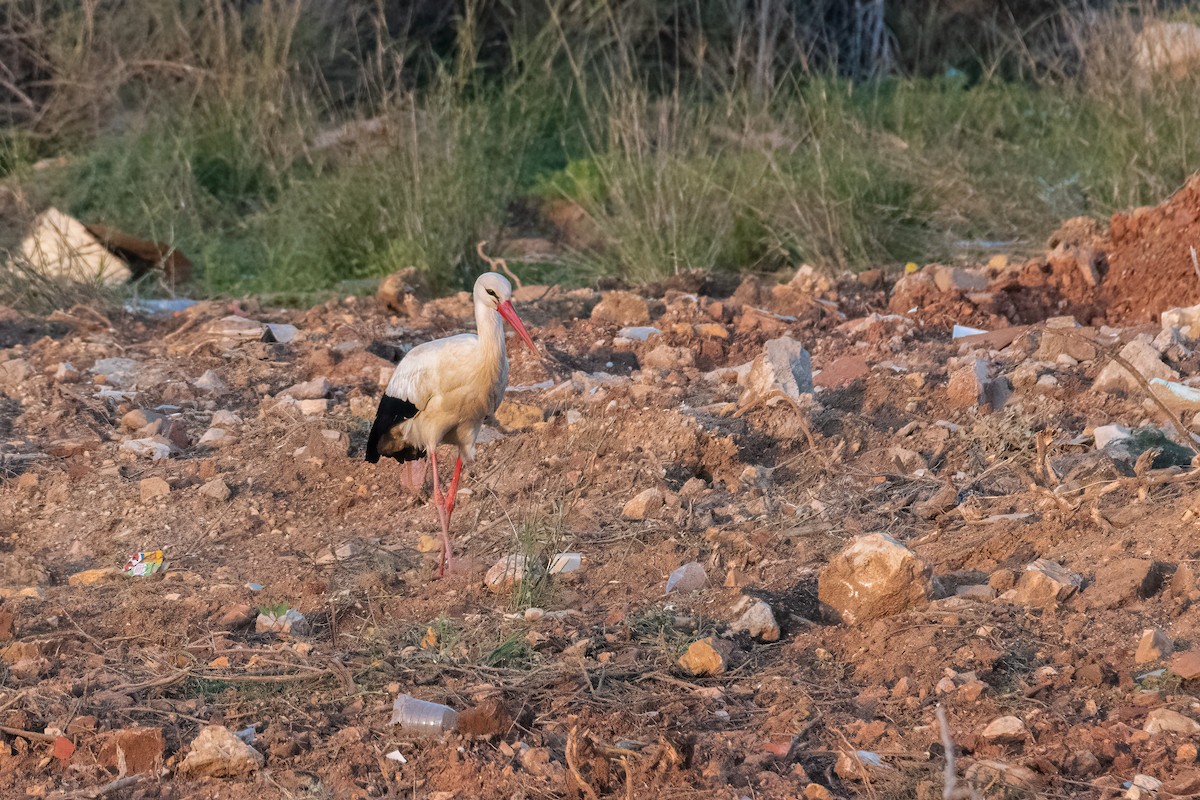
pixel 144 563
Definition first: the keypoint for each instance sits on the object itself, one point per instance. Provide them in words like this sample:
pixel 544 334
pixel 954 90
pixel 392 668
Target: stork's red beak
pixel 510 316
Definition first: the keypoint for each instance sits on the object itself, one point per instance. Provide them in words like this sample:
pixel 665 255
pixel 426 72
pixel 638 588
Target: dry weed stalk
pixel 951 790
pixel 495 263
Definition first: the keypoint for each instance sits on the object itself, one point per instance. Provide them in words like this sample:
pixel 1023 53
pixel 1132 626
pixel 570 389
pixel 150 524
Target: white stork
pixel 442 390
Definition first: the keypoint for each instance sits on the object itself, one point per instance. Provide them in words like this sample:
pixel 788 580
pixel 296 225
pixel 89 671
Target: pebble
pixel 210 381
pixel 564 563
pixel 216 489
pixel 706 656
pixel 757 619
pixel 784 366
pixel 1045 584
pixel 215 437
pixel 225 419
pixel 139 418
pixel 874 577
pixel 690 577
pixel 151 488
pixel 644 505
pixel 290 622
pixel 1005 730
pixel 217 752
pixel 1155 644
pixel 506 573
pixel 1186 664
pixel 1165 720
pixel 154 448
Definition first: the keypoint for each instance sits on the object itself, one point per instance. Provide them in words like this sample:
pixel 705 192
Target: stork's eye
pixel 493 294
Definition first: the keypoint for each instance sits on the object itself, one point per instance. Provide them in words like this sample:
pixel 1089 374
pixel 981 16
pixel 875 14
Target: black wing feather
pixel 392 411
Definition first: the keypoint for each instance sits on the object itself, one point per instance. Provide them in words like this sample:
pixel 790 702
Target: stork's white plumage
pixel 442 391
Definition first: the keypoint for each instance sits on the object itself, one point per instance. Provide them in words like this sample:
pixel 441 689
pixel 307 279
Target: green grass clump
pixel 204 135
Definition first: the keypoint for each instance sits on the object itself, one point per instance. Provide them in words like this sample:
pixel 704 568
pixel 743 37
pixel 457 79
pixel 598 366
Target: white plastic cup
pixel 423 717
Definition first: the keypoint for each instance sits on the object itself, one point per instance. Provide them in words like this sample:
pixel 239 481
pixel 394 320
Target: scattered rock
pixel 401 291
pixel 210 381
pixel 1164 720
pixel 61 247
pixel 1107 434
pixel 1125 580
pixel 644 505
pixel 139 418
pixel 1044 584
pixel 690 577
pixel 236 616
pixel 488 718
pixel 1005 730
pixel 875 577
pixel 706 656
pixel 119 372
pixel 506 573
pixel 155 448
pixel 784 366
pixel 941 501
pixel 133 751
pixel 1186 664
pixel 215 437
pixel 1144 358
pixel 621 308
pixel 216 489
pixel 151 488
pixel 217 752
pixel 225 419
pixel 665 357
pixel 756 618
pixel 315 389
pixel 959 279
pixel 564 563
pixel 638 334
pixel 842 372
pixel 1154 645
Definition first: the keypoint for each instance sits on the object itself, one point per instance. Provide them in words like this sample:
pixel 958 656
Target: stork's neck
pixel 490 327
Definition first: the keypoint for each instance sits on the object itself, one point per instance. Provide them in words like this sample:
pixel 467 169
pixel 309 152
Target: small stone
pixel 1044 584
pixel 874 577
pixel 282 332
pixel 1154 645
pixel 92 577
pixel 313 408
pixel 1005 730
pixel 842 372
pixel 66 373
pixel 705 657
pixel 1183 582
pixel 668 358
pixel 1165 720
pixel 139 418
pixel 218 752
pixel 638 333
pixel 1144 358
pixel 690 577
pixel 514 416
pixel 1186 664
pixel 216 489
pixel 225 419
pixel 815 791
pixel 959 279
pixel 154 448
pixel 784 366
pixel 621 308
pixel 210 381
pixel 119 372
pixel 291 622
pixel 1187 753
pixel 315 389
pixel 1106 434
pixel 506 573
pixel 428 544
pixel 644 505
pixel 968 384
pixel 151 488
pixel 236 616
pixel 971 691
pixel 756 618
pixel 215 437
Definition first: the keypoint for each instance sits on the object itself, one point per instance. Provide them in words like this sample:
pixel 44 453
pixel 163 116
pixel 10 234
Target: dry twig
pixel 951 790
pixel 572 759
pixel 495 263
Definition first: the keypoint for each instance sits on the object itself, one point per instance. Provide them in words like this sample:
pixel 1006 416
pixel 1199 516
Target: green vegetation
pixel 211 132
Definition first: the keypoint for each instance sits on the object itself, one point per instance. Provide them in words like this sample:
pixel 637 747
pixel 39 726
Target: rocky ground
pixel 731 540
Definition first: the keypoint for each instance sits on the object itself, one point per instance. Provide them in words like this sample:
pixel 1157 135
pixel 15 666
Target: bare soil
pixel 587 700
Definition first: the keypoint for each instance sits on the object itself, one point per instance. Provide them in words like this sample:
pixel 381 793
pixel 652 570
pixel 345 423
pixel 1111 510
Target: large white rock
pixel 1140 353
pixel 783 366
pixel 217 752
pixel 875 577
pixel 60 247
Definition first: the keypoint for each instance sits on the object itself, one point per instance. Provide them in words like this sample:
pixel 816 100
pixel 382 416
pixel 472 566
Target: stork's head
pixel 492 290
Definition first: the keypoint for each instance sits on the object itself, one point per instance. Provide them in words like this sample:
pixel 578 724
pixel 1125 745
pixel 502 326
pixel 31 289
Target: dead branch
pixel 497 262
pixel 951 790
pixel 32 736
pixel 572 759
pixel 102 791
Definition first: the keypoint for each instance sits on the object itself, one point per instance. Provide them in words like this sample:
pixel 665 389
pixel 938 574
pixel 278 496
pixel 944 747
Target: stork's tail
pixel 392 411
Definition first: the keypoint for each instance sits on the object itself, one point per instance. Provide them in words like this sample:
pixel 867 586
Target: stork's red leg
pixel 443 516
pixel 452 492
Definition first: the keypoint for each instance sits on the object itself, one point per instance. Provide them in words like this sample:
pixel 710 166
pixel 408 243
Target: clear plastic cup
pixel 423 717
